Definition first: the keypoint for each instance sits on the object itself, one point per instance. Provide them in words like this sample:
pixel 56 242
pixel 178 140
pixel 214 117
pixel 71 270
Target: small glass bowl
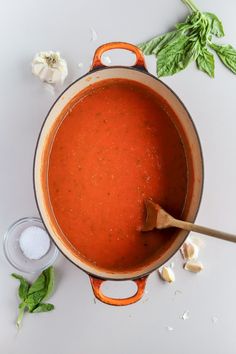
pixel 14 254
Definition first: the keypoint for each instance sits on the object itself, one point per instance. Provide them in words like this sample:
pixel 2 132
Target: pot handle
pixel 96 286
pixel 97 59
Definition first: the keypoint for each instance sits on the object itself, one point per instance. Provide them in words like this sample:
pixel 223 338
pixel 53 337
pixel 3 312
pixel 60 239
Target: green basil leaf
pixel 50 280
pixel 206 62
pixel 38 285
pixel 34 299
pixel 24 286
pixel 41 289
pixel 191 22
pixel 176 49
pixel 43 307
pixel 193 50
pixel 204 33
pixel 154 45
pixel 216 27
pixel 227 55
pixel 183 26
pixel 172 58
pixel 32 296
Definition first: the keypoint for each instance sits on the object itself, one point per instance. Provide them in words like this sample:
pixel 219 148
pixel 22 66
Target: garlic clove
pixel 167 274
pixel 46 75
pixel 50 67
pixel 37 68
pixel 193 266
pixel 56 76
pixel 189 250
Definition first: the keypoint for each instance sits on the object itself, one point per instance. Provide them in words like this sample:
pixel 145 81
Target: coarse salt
pixel 34 242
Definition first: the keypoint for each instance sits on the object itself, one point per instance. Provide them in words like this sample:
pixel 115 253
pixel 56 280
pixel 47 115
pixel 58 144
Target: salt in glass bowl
pixel 14 254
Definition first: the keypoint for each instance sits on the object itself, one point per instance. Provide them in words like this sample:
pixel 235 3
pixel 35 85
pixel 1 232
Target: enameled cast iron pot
pixel 191 143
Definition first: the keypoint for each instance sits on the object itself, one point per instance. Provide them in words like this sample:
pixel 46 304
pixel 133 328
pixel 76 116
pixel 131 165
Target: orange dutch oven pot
pixel 189 136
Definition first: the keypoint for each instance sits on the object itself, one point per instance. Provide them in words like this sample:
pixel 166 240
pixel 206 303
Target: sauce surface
pixel 116 146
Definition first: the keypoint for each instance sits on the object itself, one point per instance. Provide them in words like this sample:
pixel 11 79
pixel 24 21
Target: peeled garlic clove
pixel 50 67
pixel 167 274
pixel 189 250
pixel 193 266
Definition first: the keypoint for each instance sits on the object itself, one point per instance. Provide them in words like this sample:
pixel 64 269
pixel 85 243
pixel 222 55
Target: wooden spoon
pixel 158 218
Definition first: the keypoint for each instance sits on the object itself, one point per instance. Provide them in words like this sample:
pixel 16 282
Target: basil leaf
pixel 43 307
pixel 50 280
pixel 206 62
pixel 216 27
pixel 32 296
pixel 193 50
pixel 204 32
pixel 154 45
pixel 172 58
pixel 191 22
pixel 34 299
pixel 24 286
pixel 227 55
pixel 41 289
pixel 38 285
pixel 173 53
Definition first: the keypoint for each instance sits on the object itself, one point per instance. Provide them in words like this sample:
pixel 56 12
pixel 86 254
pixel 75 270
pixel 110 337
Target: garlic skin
pixel 50 67
pixel 167 274
pixel 189 250
pixel 169 328
pixel 94 34
pixel 185 316
pixel 193 266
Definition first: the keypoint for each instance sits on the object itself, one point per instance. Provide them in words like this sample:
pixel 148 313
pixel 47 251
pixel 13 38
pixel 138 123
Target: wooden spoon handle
pixel 203 230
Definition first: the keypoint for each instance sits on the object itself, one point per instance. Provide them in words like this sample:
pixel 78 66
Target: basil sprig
pixel 32 296
pixel 190 42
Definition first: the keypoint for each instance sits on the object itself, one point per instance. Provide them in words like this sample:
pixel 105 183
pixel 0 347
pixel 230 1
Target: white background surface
pixel 78 325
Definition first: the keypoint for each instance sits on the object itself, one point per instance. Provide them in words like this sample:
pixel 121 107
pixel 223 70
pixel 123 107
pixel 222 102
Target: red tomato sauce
pixel 116 146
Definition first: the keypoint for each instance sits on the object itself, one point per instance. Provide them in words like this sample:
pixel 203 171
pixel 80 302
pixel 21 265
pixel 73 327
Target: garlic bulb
pixel 50 67
pixel 167 274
